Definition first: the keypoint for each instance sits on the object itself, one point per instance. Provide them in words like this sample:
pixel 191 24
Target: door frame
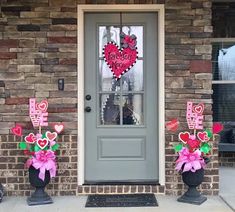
pixel 158 8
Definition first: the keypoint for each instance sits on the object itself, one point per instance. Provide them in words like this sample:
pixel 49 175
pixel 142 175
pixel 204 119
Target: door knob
pixel 88 109
pixel 88 97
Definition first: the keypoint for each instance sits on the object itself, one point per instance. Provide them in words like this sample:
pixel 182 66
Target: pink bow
pixel 44 160
pixel 189 161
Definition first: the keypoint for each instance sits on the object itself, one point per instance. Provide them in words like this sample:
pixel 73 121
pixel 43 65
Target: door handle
pixel 88 109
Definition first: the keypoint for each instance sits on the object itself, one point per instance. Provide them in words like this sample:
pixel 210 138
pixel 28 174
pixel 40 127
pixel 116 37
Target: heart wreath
pixel 120 60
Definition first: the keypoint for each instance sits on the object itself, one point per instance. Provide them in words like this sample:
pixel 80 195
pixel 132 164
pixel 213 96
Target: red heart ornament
pixel 59 128
pixel 42 143
pixel 43 105
pixel 31 138
pixel 193 144
pixel 184 136
pixel 217 127
pixel 51 136
pixel 17 130
pixel 198 108
pixel 203 136
pixel 172 125
pixel 119 60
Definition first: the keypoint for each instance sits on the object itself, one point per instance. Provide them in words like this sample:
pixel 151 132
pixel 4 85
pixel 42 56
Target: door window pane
pixel 133 79
pixel 109 109
pixel 138 32
pixel 106 80
pixel 132 109
pixel 107 34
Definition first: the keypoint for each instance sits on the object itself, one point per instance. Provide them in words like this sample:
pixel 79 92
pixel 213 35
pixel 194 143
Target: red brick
pixel 17 101
pixel 9 43
pixel 200 66
pixel 69 61
pixel 8 55
pixel 62 39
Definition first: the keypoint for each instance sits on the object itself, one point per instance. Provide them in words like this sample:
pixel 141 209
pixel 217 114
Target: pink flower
pixel 189 161
pixel 44 160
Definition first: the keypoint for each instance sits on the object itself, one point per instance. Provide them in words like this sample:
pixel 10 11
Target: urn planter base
pixel 192 196
pixel 192 180
pixel 39 197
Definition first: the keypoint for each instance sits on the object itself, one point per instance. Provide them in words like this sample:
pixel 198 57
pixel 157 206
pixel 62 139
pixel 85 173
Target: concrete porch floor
pixel 223 203
pixel 77 204
pixel 227 185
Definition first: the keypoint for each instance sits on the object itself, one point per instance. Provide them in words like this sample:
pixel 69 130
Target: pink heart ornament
pixel 203 136
pixel 51 136
pixel 42 143
pixel 17 130
pixel 119 60
pixel 58 128
pixel 30 139
pixel 42 106
pixel 198 108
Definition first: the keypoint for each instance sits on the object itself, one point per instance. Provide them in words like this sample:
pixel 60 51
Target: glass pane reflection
pixel 138 32
pixel 107 34
pixel 132 109
pixel 109 109
pixel 133 79
pixel 106 81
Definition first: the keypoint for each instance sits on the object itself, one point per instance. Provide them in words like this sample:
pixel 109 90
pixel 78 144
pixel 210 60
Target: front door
pixel 121 120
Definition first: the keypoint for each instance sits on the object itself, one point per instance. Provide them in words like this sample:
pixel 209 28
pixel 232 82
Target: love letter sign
pixel 119 60
pixel 194 115
pixel 37 112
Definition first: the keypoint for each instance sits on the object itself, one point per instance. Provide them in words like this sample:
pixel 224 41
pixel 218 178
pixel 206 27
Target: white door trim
pixel 159 8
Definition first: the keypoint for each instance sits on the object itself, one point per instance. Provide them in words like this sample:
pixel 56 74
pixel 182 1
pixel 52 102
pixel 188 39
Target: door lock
pixel 88 109
pixel 88 97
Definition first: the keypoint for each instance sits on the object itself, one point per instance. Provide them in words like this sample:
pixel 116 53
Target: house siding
pixel 38 46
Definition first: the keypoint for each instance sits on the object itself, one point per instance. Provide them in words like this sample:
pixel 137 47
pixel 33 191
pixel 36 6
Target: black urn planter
pixel 39 197
pixel 192 180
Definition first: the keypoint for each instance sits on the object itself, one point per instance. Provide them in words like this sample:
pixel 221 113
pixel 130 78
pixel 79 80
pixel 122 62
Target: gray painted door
pixel 121 116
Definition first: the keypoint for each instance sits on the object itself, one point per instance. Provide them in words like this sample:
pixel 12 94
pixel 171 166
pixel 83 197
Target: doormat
pixel 124 200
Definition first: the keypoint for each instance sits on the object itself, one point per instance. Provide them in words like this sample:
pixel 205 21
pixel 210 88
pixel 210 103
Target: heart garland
pixel 42 143
pixel 17 130
pixel 119 60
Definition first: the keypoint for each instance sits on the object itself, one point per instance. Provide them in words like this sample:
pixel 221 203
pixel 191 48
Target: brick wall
pixel 38 46
pixel 227 159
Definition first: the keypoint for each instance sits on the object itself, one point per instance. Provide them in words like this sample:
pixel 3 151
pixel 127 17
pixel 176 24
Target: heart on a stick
pixel 198 108
pixel 59 128
pixel 42 143
pixel 172 125
pixel 203 136
pixel 184 136
pixel 42 106
pixel 51 136
pixel 217 127
pixel 119 60
pixel 30 139
pixel 17 130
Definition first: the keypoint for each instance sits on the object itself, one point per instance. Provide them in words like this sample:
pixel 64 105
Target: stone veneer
pixel 38 45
